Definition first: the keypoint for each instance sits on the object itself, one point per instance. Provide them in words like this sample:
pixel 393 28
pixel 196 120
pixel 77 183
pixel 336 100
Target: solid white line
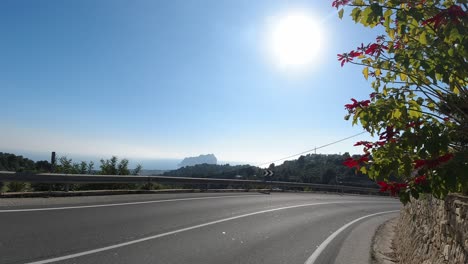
pixel 84 253
pixel 120 204
pixel 319 250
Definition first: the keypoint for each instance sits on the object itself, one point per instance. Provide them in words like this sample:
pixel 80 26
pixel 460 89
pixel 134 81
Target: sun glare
pixel 295 40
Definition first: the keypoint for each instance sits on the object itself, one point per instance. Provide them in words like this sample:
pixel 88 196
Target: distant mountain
pixel 202 159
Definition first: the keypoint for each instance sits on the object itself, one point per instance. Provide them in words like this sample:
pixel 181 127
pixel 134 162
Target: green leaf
pixel 356 14
pixel 455 35
pixel 451 52
pixel 388 13
pixel 366 16
pixel 340 13
pixel 404 197
pixel 377 9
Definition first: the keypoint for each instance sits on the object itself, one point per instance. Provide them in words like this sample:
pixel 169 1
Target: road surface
pixel 192 228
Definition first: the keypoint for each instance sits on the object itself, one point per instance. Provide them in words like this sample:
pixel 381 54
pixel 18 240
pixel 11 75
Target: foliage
pixel 325 169
pixel 113 166
pixel 216 171
pixel 64 165
pixel 11 162
pixel 17 186
pixel 419 105
pixel 310 168
pixel 319 168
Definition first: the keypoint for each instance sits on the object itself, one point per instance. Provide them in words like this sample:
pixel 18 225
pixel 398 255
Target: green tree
pixel 109 166
pixel 12 162
pixel 113 166
pixel 137 169
pixel 329 176
pixel 90 167
pixel 419 105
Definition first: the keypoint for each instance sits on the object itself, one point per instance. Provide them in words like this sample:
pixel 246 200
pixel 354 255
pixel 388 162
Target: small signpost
pixel 268 173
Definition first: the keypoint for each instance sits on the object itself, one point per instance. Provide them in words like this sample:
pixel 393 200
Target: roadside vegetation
pixel 312 168
pixel 112 166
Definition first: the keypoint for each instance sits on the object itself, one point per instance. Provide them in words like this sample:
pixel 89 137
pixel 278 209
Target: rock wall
pixel 432 231
pixel 192 161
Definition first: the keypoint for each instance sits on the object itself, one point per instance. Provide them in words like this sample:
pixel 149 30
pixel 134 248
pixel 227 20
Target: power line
pixel 310 150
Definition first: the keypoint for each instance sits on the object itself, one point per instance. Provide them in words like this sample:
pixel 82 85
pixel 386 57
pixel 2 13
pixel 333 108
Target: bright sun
pixel 295 41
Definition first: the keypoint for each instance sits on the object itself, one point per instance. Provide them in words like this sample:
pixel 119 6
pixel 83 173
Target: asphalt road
pixel 192 228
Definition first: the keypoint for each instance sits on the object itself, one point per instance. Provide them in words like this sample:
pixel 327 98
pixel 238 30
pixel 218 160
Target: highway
pixel 193 228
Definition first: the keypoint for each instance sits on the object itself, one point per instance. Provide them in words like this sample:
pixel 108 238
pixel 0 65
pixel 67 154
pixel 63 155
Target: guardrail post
pixel 149 187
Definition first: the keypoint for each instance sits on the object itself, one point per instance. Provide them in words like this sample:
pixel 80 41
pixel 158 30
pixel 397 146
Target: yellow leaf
pixel 396 113
pixel 377 72
pixel 423 38
pixel 366 72
pixel 431 106
pixel 456 91
pixel 414 113
pixel 391 33
pixel 403 77
pixel 363 170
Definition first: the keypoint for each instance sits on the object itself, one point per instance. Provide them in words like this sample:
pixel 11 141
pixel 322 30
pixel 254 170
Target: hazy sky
pixel 170 79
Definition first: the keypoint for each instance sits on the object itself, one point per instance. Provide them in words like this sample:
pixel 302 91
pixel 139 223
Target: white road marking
pixel 321 248
pixel 84 253
pixel 120 204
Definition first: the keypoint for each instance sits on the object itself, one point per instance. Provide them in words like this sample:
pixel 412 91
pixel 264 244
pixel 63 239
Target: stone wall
pixel 432 231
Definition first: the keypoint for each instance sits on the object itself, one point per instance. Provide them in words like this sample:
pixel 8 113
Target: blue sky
pixel 171 79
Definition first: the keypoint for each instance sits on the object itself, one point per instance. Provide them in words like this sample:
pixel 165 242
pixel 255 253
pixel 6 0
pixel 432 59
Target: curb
pixel 382 251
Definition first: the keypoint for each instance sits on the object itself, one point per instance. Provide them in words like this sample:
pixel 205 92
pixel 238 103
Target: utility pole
pixel 52 167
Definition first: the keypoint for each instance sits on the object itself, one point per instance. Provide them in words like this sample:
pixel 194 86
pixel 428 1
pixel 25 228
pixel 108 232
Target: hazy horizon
pixel 148 164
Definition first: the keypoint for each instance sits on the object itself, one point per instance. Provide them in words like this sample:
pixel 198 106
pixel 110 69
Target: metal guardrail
pixel 8 176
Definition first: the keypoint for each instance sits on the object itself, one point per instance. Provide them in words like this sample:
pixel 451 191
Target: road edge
pixel 382 251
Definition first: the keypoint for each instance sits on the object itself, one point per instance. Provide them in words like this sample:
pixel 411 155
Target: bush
pixel 17 186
